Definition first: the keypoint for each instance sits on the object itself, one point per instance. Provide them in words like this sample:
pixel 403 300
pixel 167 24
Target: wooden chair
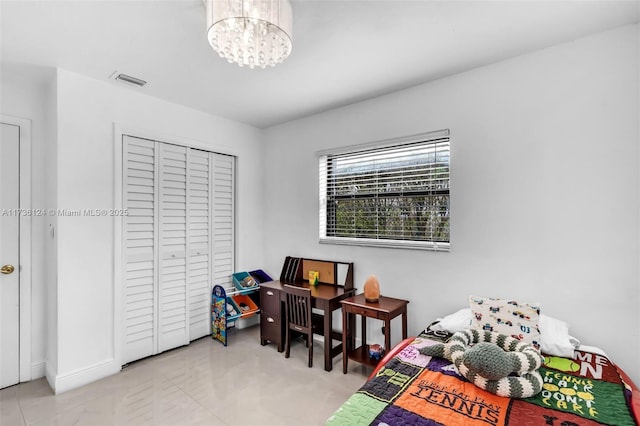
pixel 298 317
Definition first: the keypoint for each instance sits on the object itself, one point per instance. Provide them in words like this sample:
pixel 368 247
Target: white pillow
pixel 554 337
pixel 458 321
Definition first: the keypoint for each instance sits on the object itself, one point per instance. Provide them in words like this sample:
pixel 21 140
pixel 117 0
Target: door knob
pixel 7 269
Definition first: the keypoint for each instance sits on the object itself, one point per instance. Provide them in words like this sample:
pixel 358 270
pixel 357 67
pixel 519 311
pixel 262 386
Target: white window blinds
pixel 392 194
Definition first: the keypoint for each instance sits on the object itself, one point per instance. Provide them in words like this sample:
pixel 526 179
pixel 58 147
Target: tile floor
pixel 204 383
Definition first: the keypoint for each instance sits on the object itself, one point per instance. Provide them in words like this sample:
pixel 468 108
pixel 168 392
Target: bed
pixel 411 388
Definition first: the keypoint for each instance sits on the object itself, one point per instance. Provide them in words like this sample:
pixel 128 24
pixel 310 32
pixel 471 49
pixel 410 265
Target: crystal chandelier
pixel 253 33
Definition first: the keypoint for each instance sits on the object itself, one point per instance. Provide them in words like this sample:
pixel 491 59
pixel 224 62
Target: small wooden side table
pixel 385 309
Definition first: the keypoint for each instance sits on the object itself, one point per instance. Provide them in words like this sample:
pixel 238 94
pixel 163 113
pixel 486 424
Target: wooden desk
pixel 385 309
pixel 272 320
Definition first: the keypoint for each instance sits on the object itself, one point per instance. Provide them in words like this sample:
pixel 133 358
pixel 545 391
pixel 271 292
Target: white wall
pixel 87 110
pixel 544 189
pixel 26 94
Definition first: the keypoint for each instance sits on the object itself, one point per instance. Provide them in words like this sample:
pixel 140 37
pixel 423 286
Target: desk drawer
pixel 270 327
pixel 369 313
pixel 270 301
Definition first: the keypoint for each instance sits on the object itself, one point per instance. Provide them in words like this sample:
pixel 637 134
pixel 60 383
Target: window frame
pixel 324 158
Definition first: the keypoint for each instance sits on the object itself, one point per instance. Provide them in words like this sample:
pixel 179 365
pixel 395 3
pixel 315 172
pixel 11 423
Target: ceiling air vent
pixel 128 79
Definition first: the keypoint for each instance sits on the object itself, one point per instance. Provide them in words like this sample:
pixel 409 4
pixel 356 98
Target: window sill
pixel 370 242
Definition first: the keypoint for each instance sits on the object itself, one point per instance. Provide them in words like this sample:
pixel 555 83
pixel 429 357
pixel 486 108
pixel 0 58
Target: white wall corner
pixel 50 375
pixel 38 370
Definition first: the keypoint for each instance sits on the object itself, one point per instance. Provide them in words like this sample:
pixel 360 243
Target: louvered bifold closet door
pixel 223 191
pixel 178 242
pixel 172 297
pixel 140 242
pixel 199 234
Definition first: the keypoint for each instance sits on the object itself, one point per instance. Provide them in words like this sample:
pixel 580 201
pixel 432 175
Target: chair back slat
pixel 298 316
pixel 298 307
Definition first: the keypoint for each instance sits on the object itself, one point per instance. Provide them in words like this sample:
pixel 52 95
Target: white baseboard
pixel 83 376
pixel 38 370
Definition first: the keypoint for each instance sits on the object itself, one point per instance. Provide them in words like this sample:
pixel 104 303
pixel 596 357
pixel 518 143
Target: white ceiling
pixel 344 51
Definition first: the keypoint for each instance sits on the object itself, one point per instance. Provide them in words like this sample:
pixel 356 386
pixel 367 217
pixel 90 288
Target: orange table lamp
pixel 372 289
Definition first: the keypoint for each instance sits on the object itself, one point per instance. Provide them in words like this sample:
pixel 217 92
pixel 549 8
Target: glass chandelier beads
pixel 253 33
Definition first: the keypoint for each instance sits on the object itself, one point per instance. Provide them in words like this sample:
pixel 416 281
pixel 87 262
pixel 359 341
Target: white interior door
pixel 223 218
pixel 140 248
pixel 9 249
pixel 178 239
pixel 173 321
pixel 199 235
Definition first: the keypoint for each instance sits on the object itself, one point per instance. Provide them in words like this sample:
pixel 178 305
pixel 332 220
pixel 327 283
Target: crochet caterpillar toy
pixel 491 363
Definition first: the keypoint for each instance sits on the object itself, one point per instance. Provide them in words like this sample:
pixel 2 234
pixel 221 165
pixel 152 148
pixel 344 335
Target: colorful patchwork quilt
pixel 415 389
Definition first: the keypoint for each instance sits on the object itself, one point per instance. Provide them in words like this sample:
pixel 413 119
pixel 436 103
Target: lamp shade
pixel 253 33
pixel 372 289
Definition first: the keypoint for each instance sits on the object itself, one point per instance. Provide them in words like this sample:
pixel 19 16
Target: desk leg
pixel 404 325
pixel 387 334
pixel 363 330
pixel 351 324
pixel 345 338
pixel 328 328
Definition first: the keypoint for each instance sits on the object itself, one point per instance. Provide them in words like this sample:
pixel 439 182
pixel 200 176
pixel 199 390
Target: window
pixel 392 194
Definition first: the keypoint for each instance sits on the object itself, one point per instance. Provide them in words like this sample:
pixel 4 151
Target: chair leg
pixel 310 341
pixel 287 344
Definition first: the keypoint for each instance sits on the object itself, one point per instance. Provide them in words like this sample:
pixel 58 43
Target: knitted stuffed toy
pixel 498 363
